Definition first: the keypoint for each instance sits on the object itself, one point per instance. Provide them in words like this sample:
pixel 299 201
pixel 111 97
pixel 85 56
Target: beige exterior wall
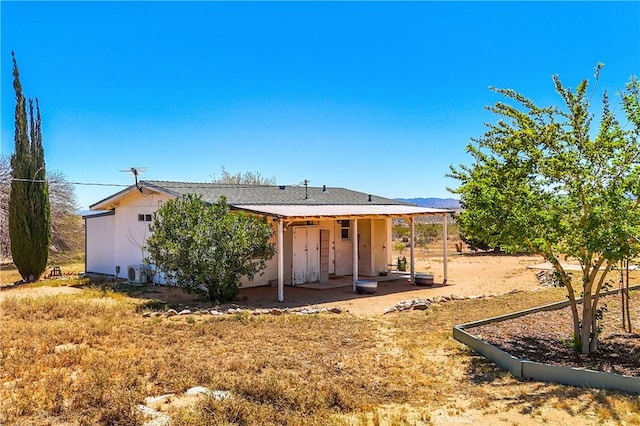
pixel 270 273
pixel 372 237
pixel 130 233
pixel 117 240
pixel 343 252
pixel 100 244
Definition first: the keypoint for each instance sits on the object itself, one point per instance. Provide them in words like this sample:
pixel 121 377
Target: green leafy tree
pixel 400 229
pixel 542 181
pixel 246 178
pixel 427 233
pixel 208 248
pixel 29 210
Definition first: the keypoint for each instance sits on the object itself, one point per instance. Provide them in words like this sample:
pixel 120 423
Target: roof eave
pixel 111 202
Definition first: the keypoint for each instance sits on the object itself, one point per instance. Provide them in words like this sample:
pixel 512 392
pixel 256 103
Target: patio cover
pixel 289 212
pixel 305 212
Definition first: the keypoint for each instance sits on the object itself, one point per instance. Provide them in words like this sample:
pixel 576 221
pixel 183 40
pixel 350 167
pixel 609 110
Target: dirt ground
pixel 469 274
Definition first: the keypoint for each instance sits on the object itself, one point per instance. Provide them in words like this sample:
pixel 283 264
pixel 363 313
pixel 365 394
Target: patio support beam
pixel 354 244
pixel 280 260
pixel 412 249
pixel 444 256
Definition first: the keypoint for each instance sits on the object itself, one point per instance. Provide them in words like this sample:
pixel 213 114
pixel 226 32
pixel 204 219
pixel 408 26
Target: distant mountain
pixel 435 203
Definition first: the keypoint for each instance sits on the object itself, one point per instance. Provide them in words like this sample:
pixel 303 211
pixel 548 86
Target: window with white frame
pixel 144 217
pixel 345 229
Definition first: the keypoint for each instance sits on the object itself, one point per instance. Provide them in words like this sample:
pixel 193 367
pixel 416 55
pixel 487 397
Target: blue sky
pixel 379 97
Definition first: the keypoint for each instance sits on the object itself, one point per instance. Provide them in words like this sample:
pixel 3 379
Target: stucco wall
pixel 99 244
pixel 270 273
pixel 329 225
pixel 343 253
pixel 130 233
pixel 379 246
pixel 117 240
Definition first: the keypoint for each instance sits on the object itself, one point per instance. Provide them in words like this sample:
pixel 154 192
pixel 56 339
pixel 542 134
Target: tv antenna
pixel 306 186
pixel 136 171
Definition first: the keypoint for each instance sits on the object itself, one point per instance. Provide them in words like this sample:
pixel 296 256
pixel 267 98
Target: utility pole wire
pixel 8 181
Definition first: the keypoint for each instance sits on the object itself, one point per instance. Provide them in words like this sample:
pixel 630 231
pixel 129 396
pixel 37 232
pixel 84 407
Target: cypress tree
pixel 29 210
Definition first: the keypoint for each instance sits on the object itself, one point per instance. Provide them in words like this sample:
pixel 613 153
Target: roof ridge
pixel 245 185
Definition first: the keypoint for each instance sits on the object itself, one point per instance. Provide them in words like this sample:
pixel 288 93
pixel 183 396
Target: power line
pixel 8 181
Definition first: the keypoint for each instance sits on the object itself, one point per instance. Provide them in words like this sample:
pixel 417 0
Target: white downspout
pixel 280 260
pixel 354 239
pixel 412 249
pixel 444 257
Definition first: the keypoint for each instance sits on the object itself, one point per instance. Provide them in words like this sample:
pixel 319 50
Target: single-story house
pixel 319 232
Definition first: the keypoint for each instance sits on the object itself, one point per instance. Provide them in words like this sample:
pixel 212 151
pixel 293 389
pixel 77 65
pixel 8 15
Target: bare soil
pixel 545 337
pixel 469 274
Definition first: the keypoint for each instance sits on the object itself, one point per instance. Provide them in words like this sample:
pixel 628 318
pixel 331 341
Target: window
pixel 144 218
pixel 345 229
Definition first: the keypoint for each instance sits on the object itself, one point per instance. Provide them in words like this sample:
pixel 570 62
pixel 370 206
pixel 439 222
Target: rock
pixel 158 418
pixel 185 312
pixel 172 312
pixel 156 314
pixel 276 311
pixel 335 310
pixel 66 347
pixel 155 399
pixel 146 314
pixel 217 394
pixel 457 297
pixel 420 306
pixel 406 305
pixel 214 312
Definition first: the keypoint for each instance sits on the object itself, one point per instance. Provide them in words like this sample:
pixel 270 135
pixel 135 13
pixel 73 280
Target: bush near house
pixel 208 248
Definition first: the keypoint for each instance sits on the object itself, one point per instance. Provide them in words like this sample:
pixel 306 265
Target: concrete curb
pixel 543 372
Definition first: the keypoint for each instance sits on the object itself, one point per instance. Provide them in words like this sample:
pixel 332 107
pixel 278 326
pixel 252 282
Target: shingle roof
pixel 238 195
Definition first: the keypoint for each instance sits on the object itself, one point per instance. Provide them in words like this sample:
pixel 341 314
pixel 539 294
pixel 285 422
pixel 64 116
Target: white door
pixel 306 254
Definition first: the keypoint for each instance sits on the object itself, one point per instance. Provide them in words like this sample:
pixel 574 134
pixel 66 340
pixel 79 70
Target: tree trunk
pixel 587 328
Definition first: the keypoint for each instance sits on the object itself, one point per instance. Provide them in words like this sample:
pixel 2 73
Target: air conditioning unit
pixel 137 274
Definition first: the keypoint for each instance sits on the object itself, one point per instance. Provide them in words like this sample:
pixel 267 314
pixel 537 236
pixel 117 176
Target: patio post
pixel 444 257
pixel 412 249
pixel 280 260
pixel 354 244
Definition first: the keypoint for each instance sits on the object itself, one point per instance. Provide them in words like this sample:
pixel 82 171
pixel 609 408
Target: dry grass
pixel 9 274
pixel 90 358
